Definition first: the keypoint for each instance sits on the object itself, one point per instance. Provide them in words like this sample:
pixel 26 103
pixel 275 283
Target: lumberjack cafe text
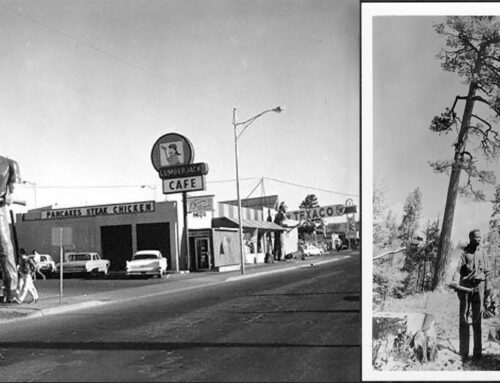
pixel 89 211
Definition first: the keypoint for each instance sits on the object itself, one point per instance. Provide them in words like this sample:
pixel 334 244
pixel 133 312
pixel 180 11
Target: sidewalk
pixel 50 302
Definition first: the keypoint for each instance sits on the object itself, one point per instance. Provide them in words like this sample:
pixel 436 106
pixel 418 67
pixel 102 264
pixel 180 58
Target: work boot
pixel 476 357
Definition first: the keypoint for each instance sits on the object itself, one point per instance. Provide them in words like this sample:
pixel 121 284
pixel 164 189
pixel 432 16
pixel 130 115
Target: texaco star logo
pixel 340 209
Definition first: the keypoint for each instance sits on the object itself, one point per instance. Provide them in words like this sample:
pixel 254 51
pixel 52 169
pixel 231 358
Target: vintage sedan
pixel 84 263
pixel 147 262
pixel 309 249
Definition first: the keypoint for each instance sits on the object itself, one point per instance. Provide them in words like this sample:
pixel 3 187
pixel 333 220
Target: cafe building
pixel 116 231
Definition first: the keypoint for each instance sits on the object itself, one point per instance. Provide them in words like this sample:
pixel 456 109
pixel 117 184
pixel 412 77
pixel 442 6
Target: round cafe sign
pixel 172 149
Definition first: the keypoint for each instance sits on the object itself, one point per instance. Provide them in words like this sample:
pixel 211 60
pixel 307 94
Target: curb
pixel 288 268
pixel 38 313
pixel 326 261
pixel 70 307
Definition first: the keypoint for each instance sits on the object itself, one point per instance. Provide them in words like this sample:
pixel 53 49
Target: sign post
pixel 61 236
pixel 186 230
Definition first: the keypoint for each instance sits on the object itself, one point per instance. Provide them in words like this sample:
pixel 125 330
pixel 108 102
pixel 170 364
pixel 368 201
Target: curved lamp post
pixel 245 125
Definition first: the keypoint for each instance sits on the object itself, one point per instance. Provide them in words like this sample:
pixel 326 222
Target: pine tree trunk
pixel 444 241
pixel 451 198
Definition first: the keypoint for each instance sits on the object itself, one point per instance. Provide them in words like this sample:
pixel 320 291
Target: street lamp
pixel 237 135
pixel 26 182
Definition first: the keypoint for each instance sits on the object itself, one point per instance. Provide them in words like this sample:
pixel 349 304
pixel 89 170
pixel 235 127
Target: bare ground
pixel 444 307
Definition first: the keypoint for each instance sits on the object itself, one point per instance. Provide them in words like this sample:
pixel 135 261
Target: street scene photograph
pixel 180 191
pixel 431 119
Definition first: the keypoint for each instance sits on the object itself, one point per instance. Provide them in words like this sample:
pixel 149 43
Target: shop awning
pixel 246 223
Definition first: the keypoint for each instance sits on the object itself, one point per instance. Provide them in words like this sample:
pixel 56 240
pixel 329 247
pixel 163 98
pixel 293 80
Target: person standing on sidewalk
pixel 9 175
pixel 27 267
pixel 473 274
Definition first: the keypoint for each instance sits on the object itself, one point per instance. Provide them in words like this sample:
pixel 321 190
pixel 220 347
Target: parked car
pixel 44 263
pixel 86 263
pixel 309 249
pixel 147 262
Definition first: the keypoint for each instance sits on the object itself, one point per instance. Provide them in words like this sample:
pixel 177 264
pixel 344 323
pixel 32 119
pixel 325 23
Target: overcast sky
pixel 409 89
pixel 89 86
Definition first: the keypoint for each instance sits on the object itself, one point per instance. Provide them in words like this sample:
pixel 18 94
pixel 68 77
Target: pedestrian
pixel 9 175
pixel 36 257
pixel 472 283
pixel 27 268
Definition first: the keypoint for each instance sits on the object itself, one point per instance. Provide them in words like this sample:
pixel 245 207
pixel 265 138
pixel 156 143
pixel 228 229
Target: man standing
pixel 471 281
pixel 9 175
pixel 27 267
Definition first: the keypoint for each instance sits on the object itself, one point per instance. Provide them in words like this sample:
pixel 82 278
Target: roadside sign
pixel 171 149
pixel 62 236
pixel 200 204
pixel 169 172
pixel 316 212
pixel 172 156
pixel 183 184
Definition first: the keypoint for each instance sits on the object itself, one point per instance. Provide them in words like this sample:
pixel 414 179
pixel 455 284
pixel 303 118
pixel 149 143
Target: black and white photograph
pixel 431 191
pixel 180 191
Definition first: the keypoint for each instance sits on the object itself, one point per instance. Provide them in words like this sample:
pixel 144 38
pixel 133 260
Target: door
pixel 116 245
pixel 202 253
pixel 155 236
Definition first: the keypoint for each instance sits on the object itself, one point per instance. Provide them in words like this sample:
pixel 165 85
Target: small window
pixel 145 256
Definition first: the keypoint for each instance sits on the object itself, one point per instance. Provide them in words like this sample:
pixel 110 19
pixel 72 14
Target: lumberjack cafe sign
pixel 316 212
pixel 172 156
pixel 100 210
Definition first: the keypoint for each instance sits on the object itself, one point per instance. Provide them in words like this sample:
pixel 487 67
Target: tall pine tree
pixel 473 52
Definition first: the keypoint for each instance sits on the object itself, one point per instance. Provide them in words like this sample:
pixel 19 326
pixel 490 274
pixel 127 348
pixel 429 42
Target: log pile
pixel 401 339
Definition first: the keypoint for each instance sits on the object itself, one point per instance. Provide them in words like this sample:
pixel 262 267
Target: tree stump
pixel 402 338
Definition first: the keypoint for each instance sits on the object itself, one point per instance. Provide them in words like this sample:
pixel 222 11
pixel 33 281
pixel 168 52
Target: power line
pixel 310 187
pixel 114 56
pixel 233 180
pixel 208 182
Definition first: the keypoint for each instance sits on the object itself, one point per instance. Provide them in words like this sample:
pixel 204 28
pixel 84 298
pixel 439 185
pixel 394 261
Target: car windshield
pixel 145 256
pixel 79 257
pixel 43 258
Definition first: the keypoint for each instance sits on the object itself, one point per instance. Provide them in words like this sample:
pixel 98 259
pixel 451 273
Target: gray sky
pixel 89 86
pixel 409 89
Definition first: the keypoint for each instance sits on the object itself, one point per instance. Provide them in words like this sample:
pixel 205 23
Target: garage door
pixel 155 236
pixel 116 245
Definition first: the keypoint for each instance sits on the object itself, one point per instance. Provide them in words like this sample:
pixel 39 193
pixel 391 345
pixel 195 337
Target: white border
pixel 368 11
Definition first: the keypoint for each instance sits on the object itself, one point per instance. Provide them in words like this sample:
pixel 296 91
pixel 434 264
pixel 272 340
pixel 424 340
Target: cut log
pixel 403 337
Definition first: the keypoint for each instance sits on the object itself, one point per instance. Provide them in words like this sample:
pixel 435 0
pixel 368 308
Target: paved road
pixel 299 325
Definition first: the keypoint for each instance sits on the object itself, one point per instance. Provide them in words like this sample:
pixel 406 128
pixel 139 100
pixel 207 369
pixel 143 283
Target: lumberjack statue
pixel 279 236
pixel 9 175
